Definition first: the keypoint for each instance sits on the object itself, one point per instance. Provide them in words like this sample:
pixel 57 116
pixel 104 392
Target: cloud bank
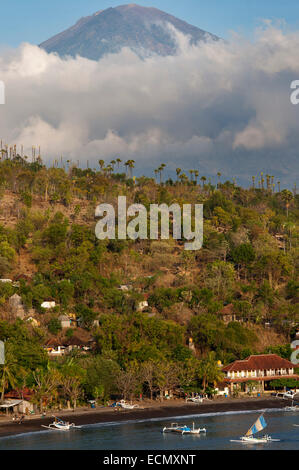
pixel 218 106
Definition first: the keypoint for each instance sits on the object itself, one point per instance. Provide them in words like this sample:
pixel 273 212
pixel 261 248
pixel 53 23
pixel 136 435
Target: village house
pixel 48 304
pixel 73 319
pixel 16 306
pixel 19 401
pixel 229 314
pixel 54 348
pixel 125 288
pixel 258 368
pixel 142 306
pixel 17 406
pixel 33 321
pixel 64 321
pixel 81 340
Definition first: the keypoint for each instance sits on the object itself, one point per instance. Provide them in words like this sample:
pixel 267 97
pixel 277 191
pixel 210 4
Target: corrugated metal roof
pixel 11 403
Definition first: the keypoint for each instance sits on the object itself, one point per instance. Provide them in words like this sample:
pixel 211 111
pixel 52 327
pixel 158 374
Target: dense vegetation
pixel 247 268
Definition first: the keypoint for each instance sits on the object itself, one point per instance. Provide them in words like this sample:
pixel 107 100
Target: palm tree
pixel 161 169
pixel 8 371
pixel 287 197
pixel 178 171
pixel 219 176
pixel 118 162
pixel 130 164
pixel 196 174
pixel 209 371
pixel 101 163
pixel 110 169
pixel 183 178
pixel 272 180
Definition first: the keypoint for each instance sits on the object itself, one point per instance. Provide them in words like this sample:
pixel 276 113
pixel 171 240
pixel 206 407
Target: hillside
pixel 139 302
pixel 144 30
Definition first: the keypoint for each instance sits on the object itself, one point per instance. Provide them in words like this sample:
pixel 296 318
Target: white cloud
pixel 217 106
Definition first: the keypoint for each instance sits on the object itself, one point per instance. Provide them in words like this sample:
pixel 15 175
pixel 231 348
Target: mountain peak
pixel 143 29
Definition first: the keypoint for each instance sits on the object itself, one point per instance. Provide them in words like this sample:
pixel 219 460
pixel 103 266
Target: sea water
pixel 147 434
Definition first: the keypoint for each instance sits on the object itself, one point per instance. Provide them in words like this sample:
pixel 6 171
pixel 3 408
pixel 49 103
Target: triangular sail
pixel 258 426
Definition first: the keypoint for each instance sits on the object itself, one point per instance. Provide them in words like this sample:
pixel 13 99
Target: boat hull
pixel 255 440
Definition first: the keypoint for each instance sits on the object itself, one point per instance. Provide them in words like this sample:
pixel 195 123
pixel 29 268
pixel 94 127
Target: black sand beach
pixel 160 410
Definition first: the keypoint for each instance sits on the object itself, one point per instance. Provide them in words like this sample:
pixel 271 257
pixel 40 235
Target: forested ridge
pixel 236 296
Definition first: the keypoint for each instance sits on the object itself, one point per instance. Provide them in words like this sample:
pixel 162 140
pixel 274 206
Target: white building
pixel 48 304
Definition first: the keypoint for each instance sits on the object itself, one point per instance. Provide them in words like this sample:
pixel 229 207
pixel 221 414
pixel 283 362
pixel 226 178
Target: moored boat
pixel 175 428
pixel 250 437
pixel 60 425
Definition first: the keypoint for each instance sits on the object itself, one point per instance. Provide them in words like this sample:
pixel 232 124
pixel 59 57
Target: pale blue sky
pixel 35 21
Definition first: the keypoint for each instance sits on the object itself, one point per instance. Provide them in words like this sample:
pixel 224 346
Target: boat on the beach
pixel 60 425
pixel 197 399
pixel 175 428
pixel 250 437
pixel 126 406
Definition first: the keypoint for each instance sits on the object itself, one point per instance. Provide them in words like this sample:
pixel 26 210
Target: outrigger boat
pixel 175 428
pixel 126 406
pixel 60 425
pixel 258 426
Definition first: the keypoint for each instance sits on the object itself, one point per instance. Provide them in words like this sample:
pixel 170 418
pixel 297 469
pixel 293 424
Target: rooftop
pixel 259 362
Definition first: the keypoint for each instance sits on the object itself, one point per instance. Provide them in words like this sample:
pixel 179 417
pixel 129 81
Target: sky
pixel 217 106
pixel 35 21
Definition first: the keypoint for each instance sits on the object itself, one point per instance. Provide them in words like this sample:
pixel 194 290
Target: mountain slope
pixel 142 29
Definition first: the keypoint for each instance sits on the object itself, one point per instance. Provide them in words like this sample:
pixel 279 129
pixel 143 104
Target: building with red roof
pixel 258 368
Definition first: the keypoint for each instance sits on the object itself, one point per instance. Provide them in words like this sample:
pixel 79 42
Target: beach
pixel 146 410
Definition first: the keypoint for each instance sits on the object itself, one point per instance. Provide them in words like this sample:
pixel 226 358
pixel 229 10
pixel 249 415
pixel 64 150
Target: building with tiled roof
pixel 259 368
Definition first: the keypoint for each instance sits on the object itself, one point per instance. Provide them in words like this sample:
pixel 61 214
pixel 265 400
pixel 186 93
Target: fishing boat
pixel 126 406
pixel 60 425
pixel 175 428
pixel 195 430
pixel 250 437
pixel 195 399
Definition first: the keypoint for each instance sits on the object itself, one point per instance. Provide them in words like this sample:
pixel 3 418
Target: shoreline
pixel 162 410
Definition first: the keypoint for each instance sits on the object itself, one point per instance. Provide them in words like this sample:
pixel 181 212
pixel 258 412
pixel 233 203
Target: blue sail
pixel 258 426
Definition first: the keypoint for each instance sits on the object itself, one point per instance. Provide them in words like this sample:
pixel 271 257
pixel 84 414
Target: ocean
pixel 147 434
